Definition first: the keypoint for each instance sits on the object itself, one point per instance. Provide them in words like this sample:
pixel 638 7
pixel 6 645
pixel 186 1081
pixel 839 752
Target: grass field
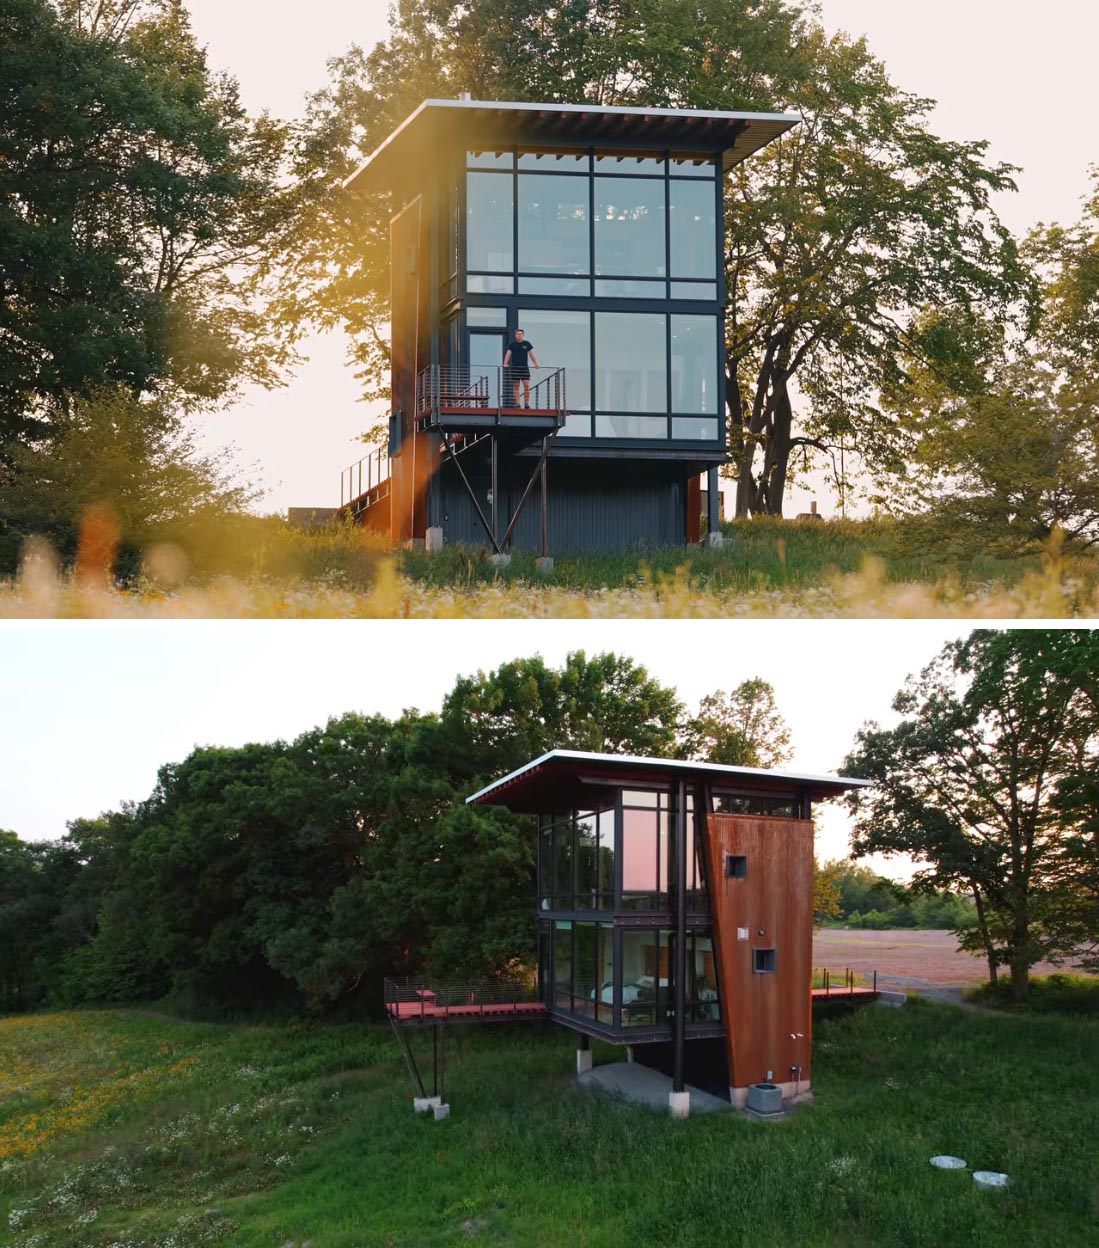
pixel 133 1130
pixel 853 569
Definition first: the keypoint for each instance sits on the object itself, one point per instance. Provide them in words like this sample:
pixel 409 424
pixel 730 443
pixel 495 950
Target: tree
pixel 993 730
pixel 840 233
pixel 826 891
pixel 111 447
pixel 742 728
pixel 606 704
pixel 137 201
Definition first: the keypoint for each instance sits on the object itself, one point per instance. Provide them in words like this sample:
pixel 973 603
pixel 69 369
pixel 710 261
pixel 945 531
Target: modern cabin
pixel 675 907
pixel 598 232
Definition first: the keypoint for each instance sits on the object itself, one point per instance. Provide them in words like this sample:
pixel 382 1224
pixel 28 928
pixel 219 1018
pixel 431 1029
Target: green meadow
pixel 136 1130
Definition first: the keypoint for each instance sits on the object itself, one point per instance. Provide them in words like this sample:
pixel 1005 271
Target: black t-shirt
pixel 520 355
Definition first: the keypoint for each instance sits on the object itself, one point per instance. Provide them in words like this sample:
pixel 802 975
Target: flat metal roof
pixel 481 124
pixel 535 781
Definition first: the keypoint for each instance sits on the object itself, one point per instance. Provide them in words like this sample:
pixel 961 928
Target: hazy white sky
pixel 1018 75
pixel 92 709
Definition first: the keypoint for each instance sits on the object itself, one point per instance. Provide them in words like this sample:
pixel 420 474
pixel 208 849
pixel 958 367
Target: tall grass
pixel 857 569
pixel 258 1136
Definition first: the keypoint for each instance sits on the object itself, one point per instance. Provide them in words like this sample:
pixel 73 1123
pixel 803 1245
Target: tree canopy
pixel 996 735
pixel 137 199
pixel 742 728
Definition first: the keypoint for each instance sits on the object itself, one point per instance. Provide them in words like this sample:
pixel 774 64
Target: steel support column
pixel 713 500
pixel 680 970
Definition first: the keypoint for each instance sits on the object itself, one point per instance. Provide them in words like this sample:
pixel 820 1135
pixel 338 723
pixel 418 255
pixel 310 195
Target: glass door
pixel 486 357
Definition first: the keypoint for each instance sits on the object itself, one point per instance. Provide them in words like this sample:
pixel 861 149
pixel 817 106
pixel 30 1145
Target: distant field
pixel 931 956
pixel 127 1130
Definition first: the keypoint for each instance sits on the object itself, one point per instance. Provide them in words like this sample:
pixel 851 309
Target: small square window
pixel 736 866
pixel 763 961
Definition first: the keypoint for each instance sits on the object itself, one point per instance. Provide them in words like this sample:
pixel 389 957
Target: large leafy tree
pixel 840 234
pixel 994 733
pixel 742 728
pixel 137 201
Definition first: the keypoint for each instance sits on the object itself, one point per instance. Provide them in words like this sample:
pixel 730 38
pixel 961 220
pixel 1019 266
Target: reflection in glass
pixel 783 807
pixel 606 852
pixel 553 225
pixel 692 167
pixel 555 286
pixel 563 340
pixel 489 211
pixel 631 427
pixel 646 977
pixel 486 356
pixel 695 429
pixel 704 291
pixel 562 851
pixel 604 955
pixel 585 970
pixel 620 288
pixel 577 425
pixel 561 162
pixel 491 317
pixel 639 859
pixel 702 993
pixel 634 164
pixel 586 863
pixel 631 362
pixel 629 227
pixel 562 965
pixel 693 229
pixel 478 284
pixel 694 364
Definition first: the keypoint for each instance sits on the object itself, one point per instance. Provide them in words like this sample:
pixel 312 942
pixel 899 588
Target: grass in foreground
pixel 770 569
pixel 138 1131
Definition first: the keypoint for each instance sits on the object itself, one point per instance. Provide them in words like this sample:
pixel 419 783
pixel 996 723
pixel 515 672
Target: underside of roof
pixel 439 126
pixel 564 779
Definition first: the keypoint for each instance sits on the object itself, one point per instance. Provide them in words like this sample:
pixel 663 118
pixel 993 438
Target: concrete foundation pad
pixel 441 1112
pixel 421 1104
pixel 641 1086
pixel 433 541
pixel 500 561
pixel 679 1104
pixel 544 565
pixel 715 541
pixel 583 1061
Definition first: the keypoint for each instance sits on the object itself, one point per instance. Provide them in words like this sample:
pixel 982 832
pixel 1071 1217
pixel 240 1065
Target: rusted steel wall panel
pixel 768 1017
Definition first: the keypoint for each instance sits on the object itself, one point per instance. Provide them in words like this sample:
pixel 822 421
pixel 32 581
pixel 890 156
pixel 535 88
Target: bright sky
pixel 93 709
pixel 1021 77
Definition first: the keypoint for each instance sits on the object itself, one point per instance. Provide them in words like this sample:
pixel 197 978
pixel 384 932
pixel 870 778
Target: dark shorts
pixel 518 374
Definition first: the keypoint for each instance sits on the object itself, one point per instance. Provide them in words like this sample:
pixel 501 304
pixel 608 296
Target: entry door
pixel 486 355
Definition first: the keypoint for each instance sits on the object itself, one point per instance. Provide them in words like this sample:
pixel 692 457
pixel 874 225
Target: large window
pixel 631 362
pixel 694 364
pixel 629 228
pixel 490 211
pixel 562 339
pixel 553 224
pixel 646 977
pixel 693 229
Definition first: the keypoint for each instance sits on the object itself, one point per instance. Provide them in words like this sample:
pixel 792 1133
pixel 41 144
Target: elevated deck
pixel 410 1003
pixel 482 400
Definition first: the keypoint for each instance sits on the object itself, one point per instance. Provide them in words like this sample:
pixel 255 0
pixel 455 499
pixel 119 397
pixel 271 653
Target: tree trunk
pixel 1019 962
pixel 776 461
pixel 986 935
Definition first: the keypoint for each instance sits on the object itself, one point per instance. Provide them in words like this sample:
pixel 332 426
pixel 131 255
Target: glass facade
pixel 606 899
pixel 626 245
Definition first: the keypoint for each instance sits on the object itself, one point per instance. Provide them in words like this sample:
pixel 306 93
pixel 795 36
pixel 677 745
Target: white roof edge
pixel 528 106
pixel 721 768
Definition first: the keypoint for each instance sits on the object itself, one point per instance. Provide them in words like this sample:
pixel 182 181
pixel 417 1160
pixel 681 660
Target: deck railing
pixel 488 390
pixel 835 983
pixel 364 475
pixel 409 999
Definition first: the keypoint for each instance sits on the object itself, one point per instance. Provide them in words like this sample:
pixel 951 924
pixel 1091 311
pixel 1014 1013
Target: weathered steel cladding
pixel 590 507
pixel 768 1016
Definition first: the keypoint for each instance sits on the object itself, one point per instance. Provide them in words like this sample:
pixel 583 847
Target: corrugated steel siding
pixel 583 515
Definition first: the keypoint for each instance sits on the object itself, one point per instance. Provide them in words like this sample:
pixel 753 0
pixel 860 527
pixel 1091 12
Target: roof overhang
pixel 439 126
pixel 572 778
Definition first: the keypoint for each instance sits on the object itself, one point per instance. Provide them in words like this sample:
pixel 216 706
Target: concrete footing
pixel 544 566
pixel 680 1104
pixel 433 540
pixel 715 541
pixel 500 561
pixel 583 1061
pixel 421 1104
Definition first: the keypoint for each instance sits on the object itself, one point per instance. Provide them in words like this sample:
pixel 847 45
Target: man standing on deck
pixel 517 362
